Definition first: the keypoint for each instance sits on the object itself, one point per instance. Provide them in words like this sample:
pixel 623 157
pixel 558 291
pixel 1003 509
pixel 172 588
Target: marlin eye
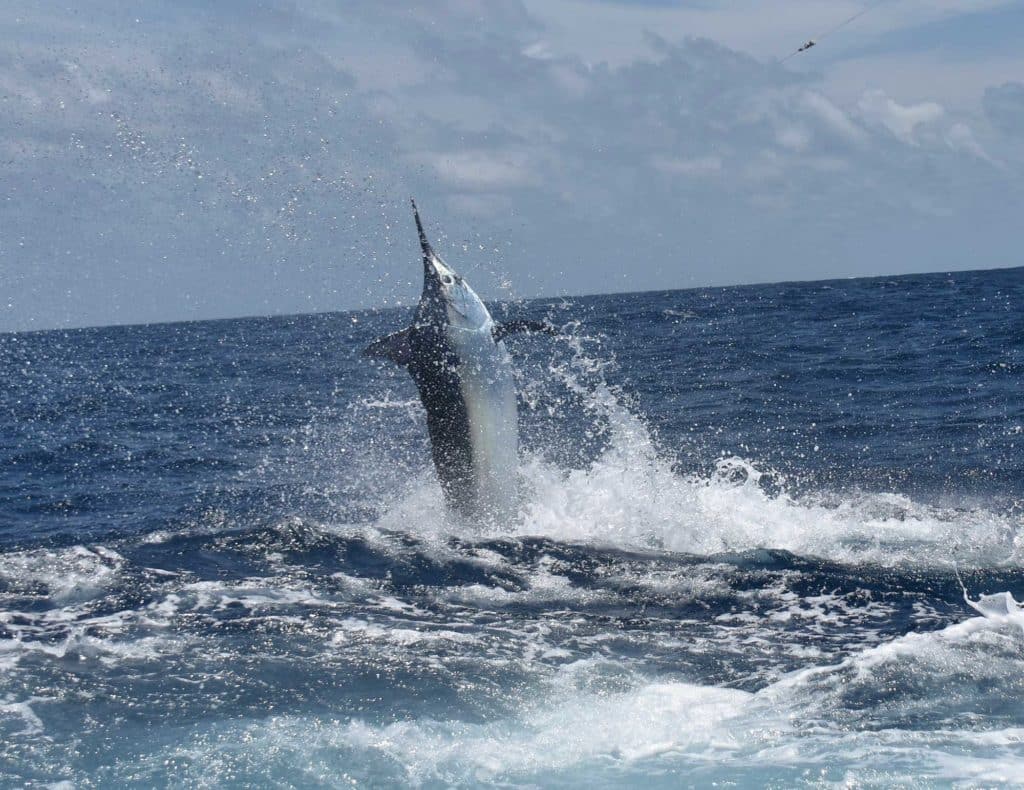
pixel 446 279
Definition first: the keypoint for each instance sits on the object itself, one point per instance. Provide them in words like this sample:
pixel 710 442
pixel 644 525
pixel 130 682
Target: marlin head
pixel 447 298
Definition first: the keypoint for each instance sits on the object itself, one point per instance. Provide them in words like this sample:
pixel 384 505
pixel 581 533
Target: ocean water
pixel 770 536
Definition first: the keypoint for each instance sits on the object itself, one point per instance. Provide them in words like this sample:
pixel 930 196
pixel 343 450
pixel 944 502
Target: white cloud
pixel 909 77
pixel 267 167
pixel 833 117
pixel 960 137
pixel 613 32
pixel 483 170
pixel 228 91
pixel 1004 106
pixel 796 137
pixel 902 120
pixel 697 166
pixel 538 50
pixel 92 93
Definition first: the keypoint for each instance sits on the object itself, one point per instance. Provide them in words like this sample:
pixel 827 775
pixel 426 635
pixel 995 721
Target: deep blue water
pixel 224 558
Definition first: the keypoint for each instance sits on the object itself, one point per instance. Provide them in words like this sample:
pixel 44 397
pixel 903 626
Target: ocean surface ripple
pixel 769 536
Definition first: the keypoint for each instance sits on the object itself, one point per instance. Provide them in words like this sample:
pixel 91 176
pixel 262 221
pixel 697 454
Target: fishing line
pixel 963 587
pixel 814 41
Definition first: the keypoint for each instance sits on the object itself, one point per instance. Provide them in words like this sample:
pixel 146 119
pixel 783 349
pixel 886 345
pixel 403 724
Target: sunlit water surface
pixel 746 516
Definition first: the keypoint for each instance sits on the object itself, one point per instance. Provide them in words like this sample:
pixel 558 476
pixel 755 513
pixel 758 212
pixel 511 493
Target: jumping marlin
pixel 455 354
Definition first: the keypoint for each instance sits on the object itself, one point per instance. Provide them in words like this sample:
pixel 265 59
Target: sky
pixel 191 160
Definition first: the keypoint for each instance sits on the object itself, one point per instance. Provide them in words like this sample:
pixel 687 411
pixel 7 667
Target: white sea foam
pixel 971 665
pixel 362 630
pixel 797 731
pixel 631 497
pixel 655 719
pixel 22 710
pixel 600 716
pixel 62 575
pixel 563 733
pixel 657 731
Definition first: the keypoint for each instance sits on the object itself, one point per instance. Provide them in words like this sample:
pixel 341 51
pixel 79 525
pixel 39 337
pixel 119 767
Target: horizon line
pixel 523 300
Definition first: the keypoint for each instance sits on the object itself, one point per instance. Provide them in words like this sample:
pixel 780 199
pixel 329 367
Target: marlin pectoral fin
pixel 501 331
pixel 397 347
